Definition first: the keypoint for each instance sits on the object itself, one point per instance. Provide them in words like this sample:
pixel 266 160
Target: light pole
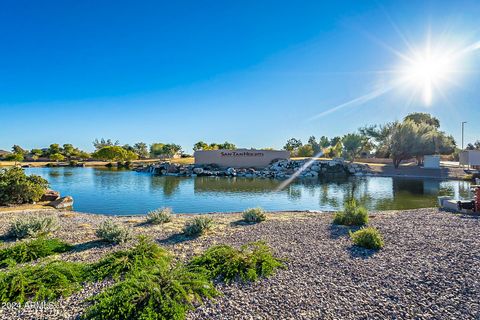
pixel 463 125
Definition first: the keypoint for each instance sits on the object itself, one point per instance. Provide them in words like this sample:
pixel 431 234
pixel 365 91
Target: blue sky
pixel 251 72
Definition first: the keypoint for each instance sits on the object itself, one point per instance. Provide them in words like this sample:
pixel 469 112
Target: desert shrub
pixel 41 282
pixel 17 188
pixel 32 226
pixel 160 293
pixel 254 215
pixel 159 216
pixel 26 251
pixel 197 226
pixel 352 215
pixel 145 254
pixel 369 238
pixel 112 232
pixel 248 263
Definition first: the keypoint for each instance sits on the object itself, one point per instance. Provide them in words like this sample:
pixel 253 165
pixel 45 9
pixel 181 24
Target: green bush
pixel 159 216
pixel 252 261
pixel 41 282
pixel 161 293
pixel 145 254
pixel 254 215
pixel 17 188
pixel 73 163
pixel 352 215
pixel 111 232
pixel 197 226
pixel 33 226
pixel 369 238
pixel 26 251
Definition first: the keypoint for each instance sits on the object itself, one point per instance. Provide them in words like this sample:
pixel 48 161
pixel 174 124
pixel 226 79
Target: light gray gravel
pixel 429 268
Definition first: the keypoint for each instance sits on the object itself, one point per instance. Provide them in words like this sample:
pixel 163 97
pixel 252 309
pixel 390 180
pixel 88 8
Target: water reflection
pixel 113 191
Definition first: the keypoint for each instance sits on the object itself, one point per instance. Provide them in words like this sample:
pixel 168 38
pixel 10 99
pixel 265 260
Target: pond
pixel 125 192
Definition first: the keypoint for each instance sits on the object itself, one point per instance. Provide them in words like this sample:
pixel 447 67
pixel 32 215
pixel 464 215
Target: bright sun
pixel 427 71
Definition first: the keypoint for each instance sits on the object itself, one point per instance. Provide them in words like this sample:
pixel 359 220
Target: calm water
pixel 124 192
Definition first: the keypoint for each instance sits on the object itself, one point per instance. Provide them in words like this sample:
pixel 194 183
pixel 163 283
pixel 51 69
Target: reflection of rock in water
pixel 416 186
pixel 431 186
pixel 294 192
pixel 412 186
pixel 169 185
pixel 224 184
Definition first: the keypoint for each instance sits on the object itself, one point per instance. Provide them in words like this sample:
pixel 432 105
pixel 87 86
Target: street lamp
pixel 463 125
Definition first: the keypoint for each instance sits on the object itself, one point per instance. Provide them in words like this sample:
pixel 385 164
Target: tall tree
pixel 141 149
pixel 422 117
pixel 114 153
pixel 99 144
pixel 54 148
pixel 227 146
pixel 69 150
pixel 352 144
pixel 19 150
pixel 200 145
pixel 57 157
pixel 312 141
pixel 165 150
pixel 324 142
pixel 404 141
pixel 292 145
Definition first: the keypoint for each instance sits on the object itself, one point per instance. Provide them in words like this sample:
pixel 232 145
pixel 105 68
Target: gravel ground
pixel 429 268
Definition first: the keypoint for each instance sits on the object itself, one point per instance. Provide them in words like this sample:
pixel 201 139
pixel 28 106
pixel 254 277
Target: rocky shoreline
pixel 428 268
pixel 282 169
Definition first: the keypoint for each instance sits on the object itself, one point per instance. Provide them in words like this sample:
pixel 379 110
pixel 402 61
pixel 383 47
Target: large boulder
pixel 50 195
pixel 198 170
pixel 62 203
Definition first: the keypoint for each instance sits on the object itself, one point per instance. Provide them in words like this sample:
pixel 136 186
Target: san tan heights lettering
pixel 240 158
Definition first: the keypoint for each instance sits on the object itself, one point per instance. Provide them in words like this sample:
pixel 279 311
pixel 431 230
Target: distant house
pixel 4 153
pixel 470 158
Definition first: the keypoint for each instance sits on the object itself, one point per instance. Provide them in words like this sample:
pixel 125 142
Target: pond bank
pixel 428 268
pixel 281 169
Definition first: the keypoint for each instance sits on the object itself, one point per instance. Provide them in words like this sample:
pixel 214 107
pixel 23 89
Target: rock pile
pixel 282 169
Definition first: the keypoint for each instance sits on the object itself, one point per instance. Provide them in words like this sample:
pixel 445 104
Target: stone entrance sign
pixel 239 158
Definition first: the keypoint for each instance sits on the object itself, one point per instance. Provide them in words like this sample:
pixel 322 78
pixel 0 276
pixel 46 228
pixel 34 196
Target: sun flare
pixel 427 71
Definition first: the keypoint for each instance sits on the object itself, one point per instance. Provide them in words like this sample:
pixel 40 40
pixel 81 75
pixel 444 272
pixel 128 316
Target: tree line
pixel 109 150
pixel 417 135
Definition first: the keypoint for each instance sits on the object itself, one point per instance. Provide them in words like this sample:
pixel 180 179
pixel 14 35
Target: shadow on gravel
pixel 7 238
pixel 339 231
pixel 90 244
pixel 240 223
pixel 142 224
pixel 361 253
pixel 176 238
pixel 471 216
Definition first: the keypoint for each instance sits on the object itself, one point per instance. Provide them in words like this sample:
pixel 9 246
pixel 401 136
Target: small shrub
pixel 369 238
pixel 145 254
pixel 197 226
pixel 252 261
pixel 156 294
pixel 17 188
pixel 31 250
pixel 41 282
pixel 159 216
pixel 33 226
pixel 352 215
pixel 111 232
pixel 254 215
